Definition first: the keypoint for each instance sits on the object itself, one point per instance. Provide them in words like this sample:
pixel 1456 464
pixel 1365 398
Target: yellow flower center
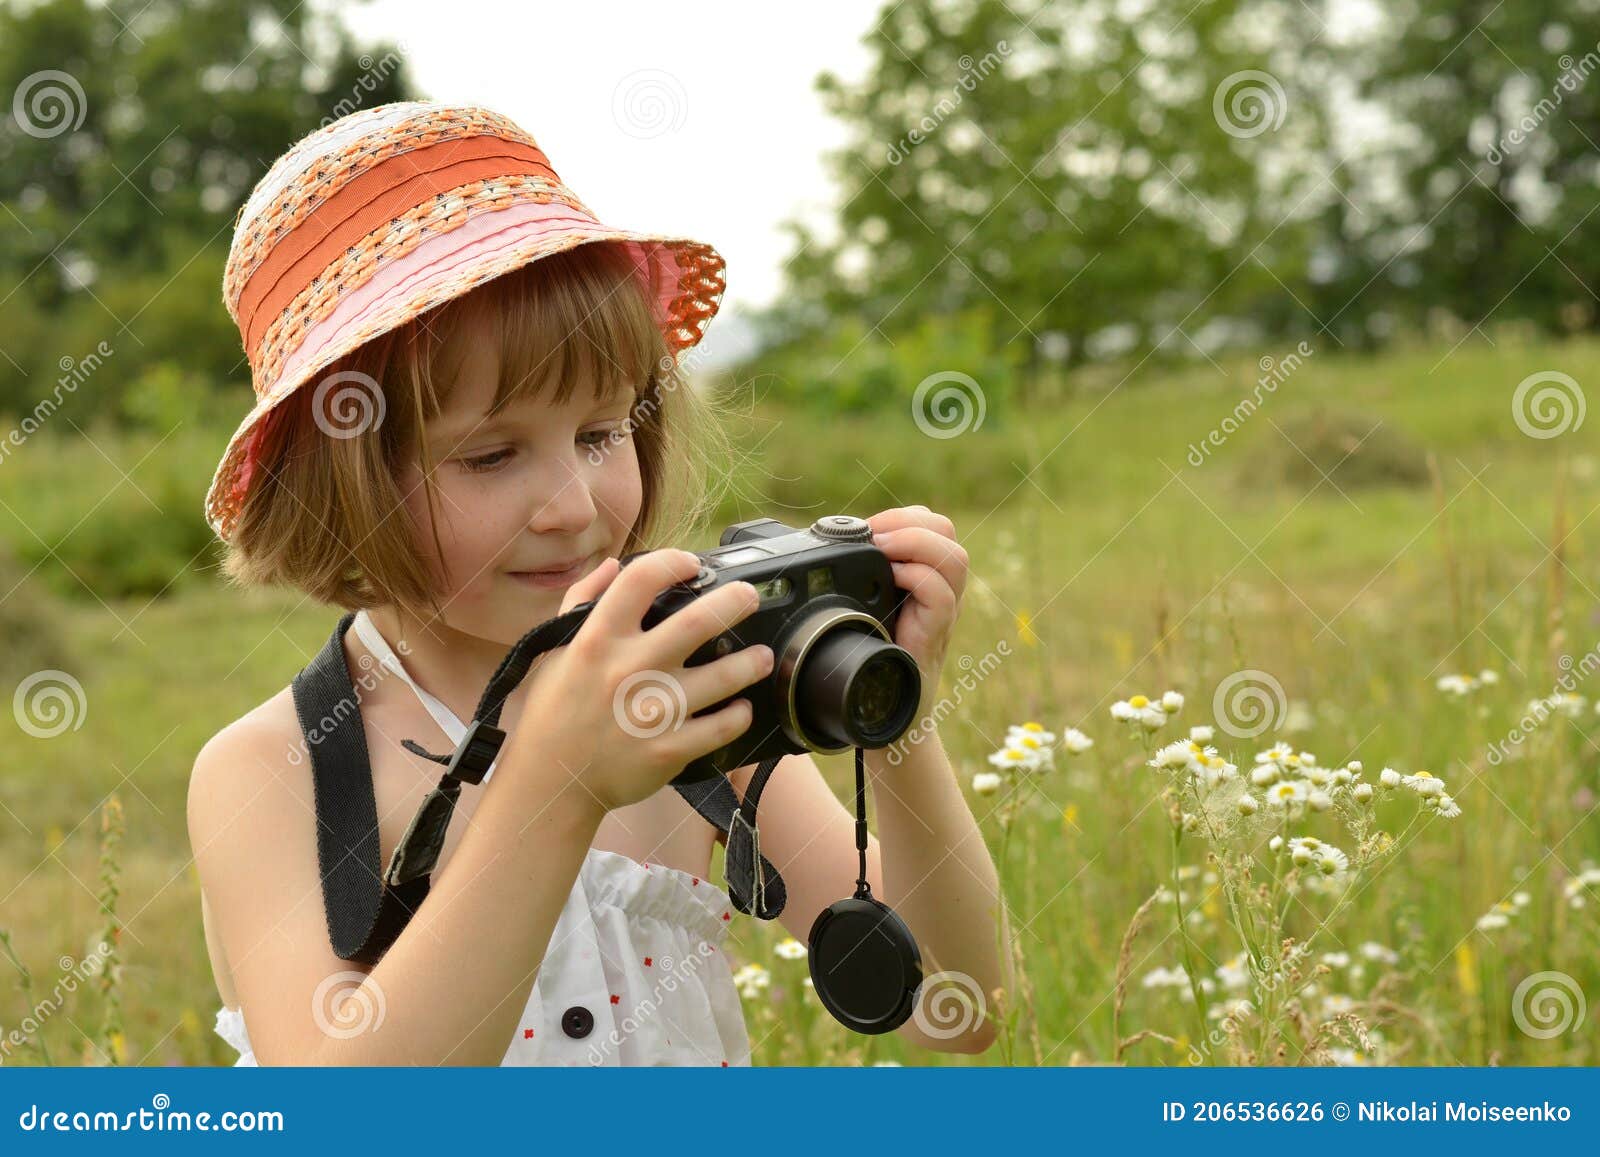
pixel 1138 701
pixel 1030 726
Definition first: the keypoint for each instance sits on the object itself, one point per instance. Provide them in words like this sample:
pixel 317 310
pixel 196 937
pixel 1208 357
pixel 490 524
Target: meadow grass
pixel 1109 565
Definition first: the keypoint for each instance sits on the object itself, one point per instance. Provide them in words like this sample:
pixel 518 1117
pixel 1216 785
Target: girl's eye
pixel 485 462
pixel 597 437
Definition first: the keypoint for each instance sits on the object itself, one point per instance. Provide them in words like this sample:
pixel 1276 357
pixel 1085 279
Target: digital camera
pixel 828 608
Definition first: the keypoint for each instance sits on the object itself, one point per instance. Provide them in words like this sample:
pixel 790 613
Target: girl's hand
pixel 615 707
pixel 930 565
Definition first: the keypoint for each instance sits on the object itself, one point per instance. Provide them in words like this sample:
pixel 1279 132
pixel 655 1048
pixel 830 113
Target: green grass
pixel 1136 572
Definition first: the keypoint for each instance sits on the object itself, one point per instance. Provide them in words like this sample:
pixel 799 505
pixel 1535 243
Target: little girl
pixel 470 405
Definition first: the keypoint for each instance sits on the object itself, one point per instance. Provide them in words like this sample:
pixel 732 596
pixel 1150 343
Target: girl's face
pixel 538 487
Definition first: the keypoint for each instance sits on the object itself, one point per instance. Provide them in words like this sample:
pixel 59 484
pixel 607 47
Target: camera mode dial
pixel 842 528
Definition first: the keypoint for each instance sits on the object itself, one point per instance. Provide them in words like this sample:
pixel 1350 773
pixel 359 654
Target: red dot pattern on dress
pixel 724 1064
pixel 615 999
pixel 647 960
pixel 725 916
pixel 527 1034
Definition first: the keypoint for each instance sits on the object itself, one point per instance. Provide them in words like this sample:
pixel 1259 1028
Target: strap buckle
pixel 476 752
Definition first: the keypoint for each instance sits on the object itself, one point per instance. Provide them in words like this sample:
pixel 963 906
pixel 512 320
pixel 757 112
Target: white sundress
pixel 635 973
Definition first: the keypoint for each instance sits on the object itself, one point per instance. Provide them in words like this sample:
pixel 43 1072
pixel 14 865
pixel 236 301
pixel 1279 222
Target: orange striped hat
pixel 388 212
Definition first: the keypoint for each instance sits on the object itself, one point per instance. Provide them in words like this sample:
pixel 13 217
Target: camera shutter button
pixel 701 581
pixel 842 528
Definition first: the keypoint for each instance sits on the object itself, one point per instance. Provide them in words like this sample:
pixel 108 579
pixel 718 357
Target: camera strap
pixel 367 909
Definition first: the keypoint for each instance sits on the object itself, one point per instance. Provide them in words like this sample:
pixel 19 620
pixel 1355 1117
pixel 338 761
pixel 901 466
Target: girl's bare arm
pixel 427 1002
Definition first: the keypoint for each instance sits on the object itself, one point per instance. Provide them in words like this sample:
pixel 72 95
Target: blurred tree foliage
pixel 131 133
pixel 1159 176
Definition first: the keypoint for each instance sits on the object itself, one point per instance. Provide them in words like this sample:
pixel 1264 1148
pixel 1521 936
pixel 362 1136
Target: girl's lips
pixel 548 579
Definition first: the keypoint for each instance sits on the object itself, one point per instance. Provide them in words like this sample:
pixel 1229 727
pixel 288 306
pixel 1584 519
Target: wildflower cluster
pixel 1461 686
pixel 1028 749
pixel 1145 713
pixel 1500 915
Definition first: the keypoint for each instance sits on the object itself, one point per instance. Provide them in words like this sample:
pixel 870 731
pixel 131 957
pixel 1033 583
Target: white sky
pixel 732 147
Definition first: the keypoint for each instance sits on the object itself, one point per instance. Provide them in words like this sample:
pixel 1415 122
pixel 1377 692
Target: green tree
pixel 130 134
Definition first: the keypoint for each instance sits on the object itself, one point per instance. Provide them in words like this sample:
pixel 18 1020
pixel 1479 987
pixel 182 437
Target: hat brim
pixel 684 280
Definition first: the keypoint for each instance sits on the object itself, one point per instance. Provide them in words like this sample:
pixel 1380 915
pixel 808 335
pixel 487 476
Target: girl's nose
pixel 567 508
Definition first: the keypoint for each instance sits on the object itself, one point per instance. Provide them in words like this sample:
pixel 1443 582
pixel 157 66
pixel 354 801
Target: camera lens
pixel 857 690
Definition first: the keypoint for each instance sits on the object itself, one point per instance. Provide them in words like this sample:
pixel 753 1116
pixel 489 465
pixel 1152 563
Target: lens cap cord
pixel 877 992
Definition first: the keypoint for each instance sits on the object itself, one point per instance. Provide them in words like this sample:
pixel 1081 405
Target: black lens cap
pixel 865 965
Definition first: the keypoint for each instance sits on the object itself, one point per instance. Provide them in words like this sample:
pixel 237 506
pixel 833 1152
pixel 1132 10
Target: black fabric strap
pixel 366 910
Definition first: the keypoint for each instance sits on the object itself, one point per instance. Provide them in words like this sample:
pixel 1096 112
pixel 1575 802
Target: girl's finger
pixel 620 612
pixel 703 734
pixel 591 584
pixel 712 682
pixel 924 584
pixel 929 548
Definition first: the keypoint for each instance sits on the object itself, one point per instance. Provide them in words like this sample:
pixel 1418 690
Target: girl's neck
pixel 452 666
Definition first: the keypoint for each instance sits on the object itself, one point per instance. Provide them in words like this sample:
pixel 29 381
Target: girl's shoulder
pixel 253 762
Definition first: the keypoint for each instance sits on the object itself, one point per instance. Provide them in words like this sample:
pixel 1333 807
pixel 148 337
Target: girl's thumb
pixel 591 584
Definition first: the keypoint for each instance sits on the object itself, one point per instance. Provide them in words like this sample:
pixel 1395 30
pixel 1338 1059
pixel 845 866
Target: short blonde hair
pixel 321 514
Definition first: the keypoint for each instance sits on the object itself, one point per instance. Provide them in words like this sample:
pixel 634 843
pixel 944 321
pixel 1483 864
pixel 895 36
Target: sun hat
pixel 384 214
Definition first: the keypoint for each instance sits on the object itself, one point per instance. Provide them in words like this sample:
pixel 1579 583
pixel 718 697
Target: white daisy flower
pixel 1331 861
pixel 790 949
pixel 1176 756
pixel 1445 806
pixel 751 979
pixel 1201 733
pixel 1248 805
pixel 1275 843
pixel 1140 710
pixel 1304 850
pixel 1491 921
pixel 1033 733
pixel 1076 741
pixel 1383 954
pixel 1336 959
pixel 1424 783
pixel 1234 973
pixel 1353 767
pixel 1319 801
pixel 1265 774
pixel 1277 753
pixel 986 783
pixel 1488 676
pixel 1389 777
pixel 1211 769
pixel 1172 702
pixel 1287 794
pixel 1457 685
pixel 1361 793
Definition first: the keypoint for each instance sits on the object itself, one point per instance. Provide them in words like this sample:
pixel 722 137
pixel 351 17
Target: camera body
pixel 828 608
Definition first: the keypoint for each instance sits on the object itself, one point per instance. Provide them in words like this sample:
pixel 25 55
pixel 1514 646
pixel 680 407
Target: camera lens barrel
pixel 845 685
